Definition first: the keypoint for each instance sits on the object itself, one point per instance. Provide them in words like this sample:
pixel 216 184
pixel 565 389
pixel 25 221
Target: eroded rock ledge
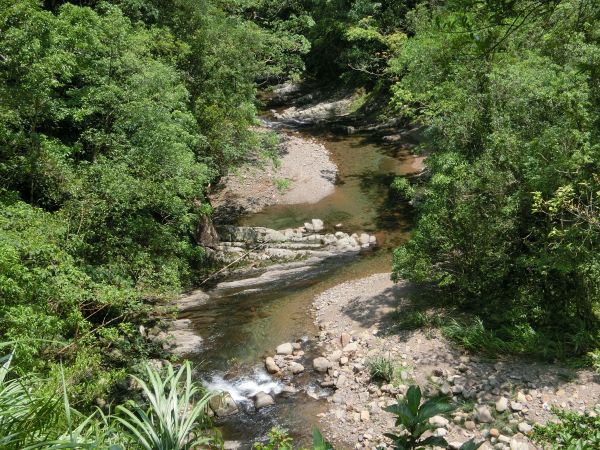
pixel 265 244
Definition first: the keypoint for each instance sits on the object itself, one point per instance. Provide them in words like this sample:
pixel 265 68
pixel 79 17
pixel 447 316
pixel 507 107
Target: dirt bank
pixel 303 174
pixel 500 399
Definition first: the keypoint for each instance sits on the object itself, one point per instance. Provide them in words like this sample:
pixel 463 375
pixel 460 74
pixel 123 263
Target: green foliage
pixel 173 415
pixel 381 369
pixel 413 419
pixel 595 358
pixel 319 442
pixel 573 431
pixel 507 222
pixel 283 184
pixel 114 118
pixel 278 440
pixel 403 187
pixel 176 413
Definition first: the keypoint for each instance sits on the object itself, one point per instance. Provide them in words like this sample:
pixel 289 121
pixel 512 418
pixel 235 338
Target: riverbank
pixel 303 173
pixel 499 400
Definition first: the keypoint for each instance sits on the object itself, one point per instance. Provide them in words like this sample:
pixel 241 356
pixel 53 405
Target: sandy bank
pixel 305 174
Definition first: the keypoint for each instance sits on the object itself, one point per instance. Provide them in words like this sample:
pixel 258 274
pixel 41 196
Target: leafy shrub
pixel 283 184
pixel 595 358
pixel 413 320
pixel 573 431
pixel 473 335
pixel 503 224
pixel 413 419
pixel 278 439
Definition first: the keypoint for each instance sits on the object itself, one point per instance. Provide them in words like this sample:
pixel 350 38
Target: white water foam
pixel 245 387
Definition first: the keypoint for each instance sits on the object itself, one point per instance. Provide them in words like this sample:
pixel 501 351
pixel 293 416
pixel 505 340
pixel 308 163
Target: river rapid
pixel 241 326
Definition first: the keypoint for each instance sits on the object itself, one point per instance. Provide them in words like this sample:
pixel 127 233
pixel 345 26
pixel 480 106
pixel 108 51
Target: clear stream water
pixel 240 327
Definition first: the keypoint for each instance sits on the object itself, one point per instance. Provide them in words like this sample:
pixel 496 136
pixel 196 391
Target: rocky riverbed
pixel 498 401
pixel 255 256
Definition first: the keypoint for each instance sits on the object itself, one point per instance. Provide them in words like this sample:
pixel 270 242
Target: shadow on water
pixel 241 325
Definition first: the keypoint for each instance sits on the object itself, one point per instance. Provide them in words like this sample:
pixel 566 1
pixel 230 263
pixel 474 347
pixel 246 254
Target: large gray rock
pixel 263 399
pixel 280 253
pixel 191 301
pixel 274 236
pixel 346 244
pixel 321 364
pixel 223 405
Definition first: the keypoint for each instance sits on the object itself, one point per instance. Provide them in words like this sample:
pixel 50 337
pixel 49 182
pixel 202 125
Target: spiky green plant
pixel 176 414
pixel 319 441
pixel 25 416
pixel 381 368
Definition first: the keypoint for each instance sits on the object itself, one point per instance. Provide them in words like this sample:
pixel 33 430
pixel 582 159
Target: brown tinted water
pixel 240 326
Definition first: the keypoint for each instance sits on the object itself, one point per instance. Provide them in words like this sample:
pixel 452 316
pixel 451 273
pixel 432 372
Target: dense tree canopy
pixel 114 117
pixel 508 223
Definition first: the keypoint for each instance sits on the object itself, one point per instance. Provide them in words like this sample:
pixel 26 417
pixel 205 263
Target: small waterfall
pixel 243 388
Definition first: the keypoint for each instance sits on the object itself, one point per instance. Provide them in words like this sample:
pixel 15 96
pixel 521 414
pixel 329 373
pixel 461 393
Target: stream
pixel 240 327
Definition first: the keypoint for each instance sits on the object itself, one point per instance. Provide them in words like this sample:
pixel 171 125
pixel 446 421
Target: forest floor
pixel 303 173
pixel 498 400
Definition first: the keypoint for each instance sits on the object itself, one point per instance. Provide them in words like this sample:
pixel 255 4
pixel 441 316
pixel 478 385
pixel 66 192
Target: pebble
pixel 501 404
pixel 439 421
pixel 470 425
pixel 524 427
pixel 483 414
pixel 516 406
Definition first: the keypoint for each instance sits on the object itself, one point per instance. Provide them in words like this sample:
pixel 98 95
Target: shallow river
pixel 240 328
